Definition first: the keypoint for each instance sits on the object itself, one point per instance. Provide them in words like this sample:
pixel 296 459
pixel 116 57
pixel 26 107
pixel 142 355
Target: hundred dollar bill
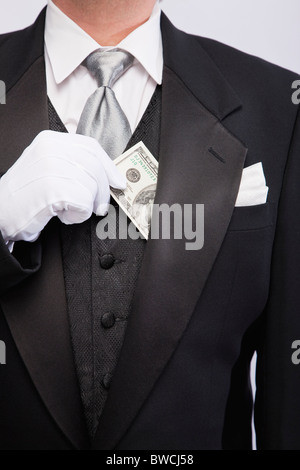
pixel 141 170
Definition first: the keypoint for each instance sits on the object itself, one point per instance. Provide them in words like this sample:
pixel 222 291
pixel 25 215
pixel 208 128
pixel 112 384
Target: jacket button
pixel 107 261
pixel 108 320
pixel 106 381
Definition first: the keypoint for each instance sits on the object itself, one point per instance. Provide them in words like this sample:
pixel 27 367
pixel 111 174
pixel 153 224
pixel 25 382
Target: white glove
pixel 63 175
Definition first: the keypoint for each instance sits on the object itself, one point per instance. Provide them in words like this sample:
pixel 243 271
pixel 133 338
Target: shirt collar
pixel 68 45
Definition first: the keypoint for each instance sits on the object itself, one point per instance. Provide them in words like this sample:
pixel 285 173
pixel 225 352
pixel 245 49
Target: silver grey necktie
pixel 103 117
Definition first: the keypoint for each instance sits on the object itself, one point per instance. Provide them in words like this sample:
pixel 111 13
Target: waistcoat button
pixel 108 320
pixel 107 261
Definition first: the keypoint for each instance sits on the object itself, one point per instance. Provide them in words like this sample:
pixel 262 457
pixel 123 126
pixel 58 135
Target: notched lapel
pixel 172 278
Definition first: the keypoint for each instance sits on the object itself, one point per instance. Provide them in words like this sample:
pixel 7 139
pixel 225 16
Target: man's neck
pixel 107 21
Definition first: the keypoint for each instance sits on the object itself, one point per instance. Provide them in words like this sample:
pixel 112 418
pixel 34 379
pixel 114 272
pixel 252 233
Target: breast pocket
pixel 252 217
pixel 249 239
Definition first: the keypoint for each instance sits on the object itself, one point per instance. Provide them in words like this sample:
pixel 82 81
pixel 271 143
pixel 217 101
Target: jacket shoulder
pixel 20 49
pixel 259 83
pixel 227 56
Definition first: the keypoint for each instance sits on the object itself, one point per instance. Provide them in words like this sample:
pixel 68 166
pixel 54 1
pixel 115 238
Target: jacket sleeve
pixel 277 405
pixel 17 266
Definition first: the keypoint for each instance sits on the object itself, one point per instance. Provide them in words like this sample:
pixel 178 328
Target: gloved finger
pixel 102 199
pixel 76 207
pixel 83 151
pixel 115 178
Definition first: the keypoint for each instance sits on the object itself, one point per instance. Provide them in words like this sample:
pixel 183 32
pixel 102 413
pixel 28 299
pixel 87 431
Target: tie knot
pixel 108 66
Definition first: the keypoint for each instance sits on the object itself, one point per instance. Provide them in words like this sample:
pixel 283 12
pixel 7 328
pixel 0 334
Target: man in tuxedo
pixel 128 344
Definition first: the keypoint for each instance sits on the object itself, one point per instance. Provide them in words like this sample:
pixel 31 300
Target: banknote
pixel 141 170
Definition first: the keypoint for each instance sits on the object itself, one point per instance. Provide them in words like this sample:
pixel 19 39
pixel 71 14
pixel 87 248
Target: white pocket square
pixel 253 189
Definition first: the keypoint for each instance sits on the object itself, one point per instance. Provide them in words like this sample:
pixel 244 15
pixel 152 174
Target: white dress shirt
pixel 69 84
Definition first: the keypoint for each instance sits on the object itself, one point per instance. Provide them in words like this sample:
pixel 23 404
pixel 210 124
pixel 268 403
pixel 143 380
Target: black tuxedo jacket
pixel 182 381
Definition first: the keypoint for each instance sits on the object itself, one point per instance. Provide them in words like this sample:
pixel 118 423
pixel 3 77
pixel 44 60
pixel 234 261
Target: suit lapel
pixel 36 309
pixel 171 279
pixel 200 162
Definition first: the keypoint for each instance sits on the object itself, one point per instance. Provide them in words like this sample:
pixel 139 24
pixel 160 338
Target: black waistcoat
pixel 100 278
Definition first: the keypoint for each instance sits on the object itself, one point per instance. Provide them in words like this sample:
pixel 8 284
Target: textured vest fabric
pixel 100 278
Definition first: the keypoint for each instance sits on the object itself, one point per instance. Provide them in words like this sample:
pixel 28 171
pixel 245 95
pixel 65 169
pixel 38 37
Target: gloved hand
pixel 63 175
